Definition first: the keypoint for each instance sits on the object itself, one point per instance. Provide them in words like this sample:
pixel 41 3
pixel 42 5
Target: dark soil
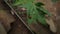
pixel 19 28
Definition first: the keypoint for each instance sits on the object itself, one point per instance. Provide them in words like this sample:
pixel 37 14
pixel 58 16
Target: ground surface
pixel 19 28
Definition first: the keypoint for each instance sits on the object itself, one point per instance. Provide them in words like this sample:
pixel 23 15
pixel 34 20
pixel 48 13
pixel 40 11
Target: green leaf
pixel 34 10
pixel 19 2
pixel 45 11
pixel 54 1
pixel 39 4
pixel 42 20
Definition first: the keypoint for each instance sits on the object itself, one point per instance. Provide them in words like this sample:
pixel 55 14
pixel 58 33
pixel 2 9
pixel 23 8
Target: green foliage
pixel 54 1
pixel 35 11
